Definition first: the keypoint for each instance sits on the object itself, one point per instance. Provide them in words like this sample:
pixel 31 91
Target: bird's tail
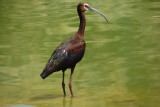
pixel 43 75
pixel 47 71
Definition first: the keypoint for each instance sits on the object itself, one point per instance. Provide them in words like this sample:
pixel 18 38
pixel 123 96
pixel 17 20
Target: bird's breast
pixel 76 48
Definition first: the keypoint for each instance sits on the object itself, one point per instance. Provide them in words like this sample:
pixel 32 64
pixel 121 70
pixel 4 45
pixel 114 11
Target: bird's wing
pixel 62 57
pixel 55 61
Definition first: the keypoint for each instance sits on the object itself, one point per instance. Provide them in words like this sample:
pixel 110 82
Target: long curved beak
pixel 95 10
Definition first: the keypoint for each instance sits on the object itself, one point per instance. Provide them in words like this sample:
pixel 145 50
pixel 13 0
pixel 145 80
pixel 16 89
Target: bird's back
pixel 66 55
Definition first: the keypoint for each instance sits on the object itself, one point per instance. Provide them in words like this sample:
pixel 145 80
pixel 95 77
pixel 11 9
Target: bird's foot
pixel 64 94
pixel 70 88
pixel 64 91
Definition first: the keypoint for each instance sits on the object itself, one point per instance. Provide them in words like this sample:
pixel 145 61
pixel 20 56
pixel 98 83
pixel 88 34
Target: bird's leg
pixel 70 81
pixel 63 84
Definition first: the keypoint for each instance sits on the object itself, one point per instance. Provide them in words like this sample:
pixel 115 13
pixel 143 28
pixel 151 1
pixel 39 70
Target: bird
pixel 71 51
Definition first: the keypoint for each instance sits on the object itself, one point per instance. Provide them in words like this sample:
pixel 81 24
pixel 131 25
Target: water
pixel 120 67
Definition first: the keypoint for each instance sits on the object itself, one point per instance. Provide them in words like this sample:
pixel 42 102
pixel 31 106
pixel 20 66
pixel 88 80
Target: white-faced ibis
pixel 71 51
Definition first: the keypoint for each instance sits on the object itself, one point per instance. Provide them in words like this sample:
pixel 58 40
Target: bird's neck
pixel 82 22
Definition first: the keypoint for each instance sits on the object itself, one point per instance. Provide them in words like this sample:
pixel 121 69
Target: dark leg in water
pixel 70 81
pixel 63 84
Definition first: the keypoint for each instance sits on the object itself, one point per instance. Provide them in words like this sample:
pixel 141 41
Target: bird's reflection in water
pixel 65 102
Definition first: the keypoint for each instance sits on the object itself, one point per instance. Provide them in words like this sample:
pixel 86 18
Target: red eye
pixel 86 6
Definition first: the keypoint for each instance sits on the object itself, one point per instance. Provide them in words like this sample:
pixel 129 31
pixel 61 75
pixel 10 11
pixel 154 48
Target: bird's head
pixel 82 7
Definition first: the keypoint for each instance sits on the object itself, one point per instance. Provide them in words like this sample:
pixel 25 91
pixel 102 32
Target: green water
pixel 121 66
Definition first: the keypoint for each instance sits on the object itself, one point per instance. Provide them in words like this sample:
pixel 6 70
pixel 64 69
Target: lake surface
pixel 121 66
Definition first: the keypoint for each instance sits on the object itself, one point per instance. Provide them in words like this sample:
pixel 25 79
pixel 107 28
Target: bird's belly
pixel 72 59
pixel 76 57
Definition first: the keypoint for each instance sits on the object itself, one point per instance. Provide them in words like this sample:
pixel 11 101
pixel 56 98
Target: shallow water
pixel 121 63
